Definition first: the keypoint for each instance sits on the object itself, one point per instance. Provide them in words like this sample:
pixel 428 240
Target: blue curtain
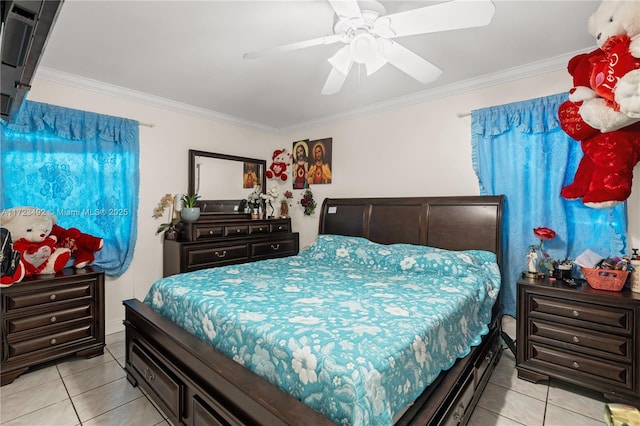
pixel 80 166
pixel 519 150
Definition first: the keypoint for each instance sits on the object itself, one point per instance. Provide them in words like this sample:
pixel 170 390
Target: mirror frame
pixel 221 203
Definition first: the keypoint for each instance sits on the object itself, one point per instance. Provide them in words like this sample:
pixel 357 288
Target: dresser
pixel 46 317
pixel 218 241
pixel 583 336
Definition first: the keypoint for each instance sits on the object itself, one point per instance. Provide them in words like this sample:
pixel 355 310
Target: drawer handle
pixel 211 232
pixel 260 229
pixel 275 246
pixel 279 228
pixel 576 313
pixel 237 230
pixel 576 339
pixel 53 341
pixel 575 364
pixel 489 356
pixel 148 374
pixel 224 253
pixel 52 297
pixel 54 319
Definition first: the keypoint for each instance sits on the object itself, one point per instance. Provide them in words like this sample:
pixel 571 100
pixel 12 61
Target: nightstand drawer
pixel 50 340
pixel 16 325
pixel 598 314
pixel 588 341
pixel 576 365
pixel 48 295
pixel 210 256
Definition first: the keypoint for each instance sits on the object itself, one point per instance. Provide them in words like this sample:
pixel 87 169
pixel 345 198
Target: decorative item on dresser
pixel 196 384
pixel 224 240
pixel 46 317
pixel 584 336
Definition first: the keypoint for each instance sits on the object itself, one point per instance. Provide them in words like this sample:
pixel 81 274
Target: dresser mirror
pixel 223 181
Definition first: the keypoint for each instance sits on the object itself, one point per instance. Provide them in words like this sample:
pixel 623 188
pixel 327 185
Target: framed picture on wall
pixel 300 164
pixel 250 176
pixel 319 171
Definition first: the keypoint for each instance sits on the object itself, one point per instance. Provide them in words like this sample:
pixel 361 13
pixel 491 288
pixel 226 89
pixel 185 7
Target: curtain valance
pixel 67 123
pixel 532 116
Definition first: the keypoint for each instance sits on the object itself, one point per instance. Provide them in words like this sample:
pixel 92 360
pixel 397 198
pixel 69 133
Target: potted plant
pixel 190 211
pixel 169 228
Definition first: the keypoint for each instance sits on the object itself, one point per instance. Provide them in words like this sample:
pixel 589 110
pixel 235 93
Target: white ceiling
pixel 190 53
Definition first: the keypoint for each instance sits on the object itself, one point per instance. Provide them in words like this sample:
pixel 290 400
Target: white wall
pixel 418 150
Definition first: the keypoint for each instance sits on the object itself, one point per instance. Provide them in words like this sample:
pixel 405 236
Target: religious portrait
pixel 319 171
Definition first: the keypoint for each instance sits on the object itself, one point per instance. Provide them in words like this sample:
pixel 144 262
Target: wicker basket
pixel 605 279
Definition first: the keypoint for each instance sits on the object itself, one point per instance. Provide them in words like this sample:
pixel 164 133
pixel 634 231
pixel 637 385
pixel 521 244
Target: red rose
pixel 544 233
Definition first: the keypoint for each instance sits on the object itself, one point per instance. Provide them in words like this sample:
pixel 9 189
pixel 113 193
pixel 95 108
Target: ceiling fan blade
pixel 346 8
pixel 293 46
pixel 407 61
pixel 375 63
pixel 342 60
pixel 334 81
pixel 452 15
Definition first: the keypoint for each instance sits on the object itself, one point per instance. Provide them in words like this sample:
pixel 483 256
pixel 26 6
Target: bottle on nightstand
pixel 635 275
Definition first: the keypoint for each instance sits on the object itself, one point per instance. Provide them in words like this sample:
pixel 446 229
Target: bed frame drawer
pixel 157 379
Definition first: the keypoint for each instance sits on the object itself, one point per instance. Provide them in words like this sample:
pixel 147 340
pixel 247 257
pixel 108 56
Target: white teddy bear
pixel 615 25
pixel 30 229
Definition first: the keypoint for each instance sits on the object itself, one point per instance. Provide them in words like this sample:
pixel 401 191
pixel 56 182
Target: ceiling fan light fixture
pixel 364 48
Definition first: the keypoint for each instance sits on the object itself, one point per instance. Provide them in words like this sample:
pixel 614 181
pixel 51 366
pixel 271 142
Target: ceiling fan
pixel 367 32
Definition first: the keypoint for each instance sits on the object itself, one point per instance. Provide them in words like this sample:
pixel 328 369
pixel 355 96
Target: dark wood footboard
pixel 196 385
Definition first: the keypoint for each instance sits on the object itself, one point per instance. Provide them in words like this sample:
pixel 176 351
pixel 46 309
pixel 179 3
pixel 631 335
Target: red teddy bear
pixel 82 245
pixel 611 146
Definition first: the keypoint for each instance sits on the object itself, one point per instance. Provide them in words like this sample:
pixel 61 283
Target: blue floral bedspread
pixel 354 329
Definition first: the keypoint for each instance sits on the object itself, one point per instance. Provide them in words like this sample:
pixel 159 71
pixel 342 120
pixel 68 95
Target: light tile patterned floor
pixel 95 391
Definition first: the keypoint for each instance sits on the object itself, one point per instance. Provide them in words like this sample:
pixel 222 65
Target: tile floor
pixel 95 392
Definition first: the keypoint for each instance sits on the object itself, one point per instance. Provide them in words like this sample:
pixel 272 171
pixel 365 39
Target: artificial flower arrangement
pixel 271 195
pixel 256 197
pixel 308 203
pixel 537 259
pixel 158 212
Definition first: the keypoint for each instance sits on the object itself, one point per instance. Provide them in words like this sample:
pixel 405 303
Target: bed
pixel 193 383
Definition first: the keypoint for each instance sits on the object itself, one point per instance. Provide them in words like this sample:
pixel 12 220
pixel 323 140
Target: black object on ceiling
pixel 26 25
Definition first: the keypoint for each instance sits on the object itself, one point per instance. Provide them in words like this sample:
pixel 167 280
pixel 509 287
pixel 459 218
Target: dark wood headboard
pixel 453 223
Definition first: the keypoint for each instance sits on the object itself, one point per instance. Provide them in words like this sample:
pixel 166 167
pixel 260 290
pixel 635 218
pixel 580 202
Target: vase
pixel 254 214
pixel 284 208
pixel 190 214
pixel 171 234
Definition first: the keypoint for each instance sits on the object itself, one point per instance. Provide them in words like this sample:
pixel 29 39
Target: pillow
pixel 345 250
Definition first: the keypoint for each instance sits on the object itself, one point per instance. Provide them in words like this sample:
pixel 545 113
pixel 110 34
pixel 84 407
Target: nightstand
pixel 583 336
pixel 47 317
